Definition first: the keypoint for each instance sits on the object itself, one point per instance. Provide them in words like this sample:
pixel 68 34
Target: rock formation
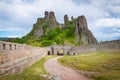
pixel 38 32
pixel 52 20
pixel 72 18
pixel 82 34
pixel 43 25
pixel 66 21
pixel 46 15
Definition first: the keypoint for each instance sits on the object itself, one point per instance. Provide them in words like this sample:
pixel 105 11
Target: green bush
pixel 51 35
pixel 46 43
pixel 18 40
pixel 59 40
pixel 69 30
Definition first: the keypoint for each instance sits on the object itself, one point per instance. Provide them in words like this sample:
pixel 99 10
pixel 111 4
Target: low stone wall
pixel 102 46
pixel 14 58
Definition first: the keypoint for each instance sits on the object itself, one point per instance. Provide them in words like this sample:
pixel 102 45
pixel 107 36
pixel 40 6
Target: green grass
pixel 31 73
pixel 23 77
pixel 37 68
pixel 108 64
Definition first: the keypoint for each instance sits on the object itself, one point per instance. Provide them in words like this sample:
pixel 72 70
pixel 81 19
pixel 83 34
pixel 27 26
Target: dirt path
pixel 65 73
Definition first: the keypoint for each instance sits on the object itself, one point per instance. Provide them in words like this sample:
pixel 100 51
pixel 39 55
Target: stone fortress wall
pixel 57 48
pixel 14 58
pixel 102 46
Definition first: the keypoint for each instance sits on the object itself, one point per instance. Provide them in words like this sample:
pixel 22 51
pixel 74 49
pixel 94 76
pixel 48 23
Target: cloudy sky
pixel 18 16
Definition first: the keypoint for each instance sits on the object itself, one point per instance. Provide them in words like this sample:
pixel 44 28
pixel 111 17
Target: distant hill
pixel 48 31
pixel 3 39
pixel 15 40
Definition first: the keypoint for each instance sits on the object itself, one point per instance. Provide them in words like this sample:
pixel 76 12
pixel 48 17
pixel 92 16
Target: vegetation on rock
pixel 47 31
pixel 54 36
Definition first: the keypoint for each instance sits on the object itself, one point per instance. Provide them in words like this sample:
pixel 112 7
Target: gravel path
pixel 65 73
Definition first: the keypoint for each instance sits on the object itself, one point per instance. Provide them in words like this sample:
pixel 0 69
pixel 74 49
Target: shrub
pixel 46 43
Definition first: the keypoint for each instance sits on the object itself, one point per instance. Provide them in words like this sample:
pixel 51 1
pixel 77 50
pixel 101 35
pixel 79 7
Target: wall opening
pixel 73 53
pixel 15 46
pixel 57 52
pixel 60 52
pixel 4 47
pixel 48 52
pixel 10 46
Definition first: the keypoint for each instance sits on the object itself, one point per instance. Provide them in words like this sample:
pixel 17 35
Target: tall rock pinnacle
pixel 46 14
pixel 52 20
pixel 78 26
pixel 66 21
pixel 81 28
pixel 82 23
pixel 76 32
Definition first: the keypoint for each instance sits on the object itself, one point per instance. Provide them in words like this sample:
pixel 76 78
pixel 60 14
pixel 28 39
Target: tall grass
pixel 108 64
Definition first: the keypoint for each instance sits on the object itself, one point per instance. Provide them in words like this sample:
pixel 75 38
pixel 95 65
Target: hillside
pixel 3 38
pixel 48 31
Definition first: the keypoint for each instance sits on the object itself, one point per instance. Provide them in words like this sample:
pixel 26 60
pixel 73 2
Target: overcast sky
pixel 18 16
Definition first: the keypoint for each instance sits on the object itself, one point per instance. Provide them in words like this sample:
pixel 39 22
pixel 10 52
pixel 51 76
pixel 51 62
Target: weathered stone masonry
pixel 57 48
pixel 14 58
pixel 102 46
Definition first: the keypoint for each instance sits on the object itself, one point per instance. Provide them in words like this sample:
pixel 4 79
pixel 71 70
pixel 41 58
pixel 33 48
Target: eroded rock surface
pixel 81 32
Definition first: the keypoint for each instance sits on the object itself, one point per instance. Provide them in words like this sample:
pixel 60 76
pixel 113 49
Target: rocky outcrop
pixel 66 21
pixel 52 20
pixel 82 33
pixel 43 25
pixel 38 32
pixel 72 18
pixel 81 23
pixel 46 15
pixel 76 32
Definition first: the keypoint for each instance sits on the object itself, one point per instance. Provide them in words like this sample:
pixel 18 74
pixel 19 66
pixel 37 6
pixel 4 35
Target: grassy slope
pixel 107 64
pixel 32 73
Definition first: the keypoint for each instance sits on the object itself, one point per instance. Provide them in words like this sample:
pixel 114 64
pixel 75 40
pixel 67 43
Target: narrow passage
pixel 65 73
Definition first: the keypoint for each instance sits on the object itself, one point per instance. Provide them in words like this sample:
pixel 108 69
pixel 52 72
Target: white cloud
pixel 9 28
pixel 25 11
pixel 23 14
pixel 108 22
pixel 16 9
pixel 106 28
pixel 107 36
pixel 110 6
pixel 13 36
pixel 114 9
